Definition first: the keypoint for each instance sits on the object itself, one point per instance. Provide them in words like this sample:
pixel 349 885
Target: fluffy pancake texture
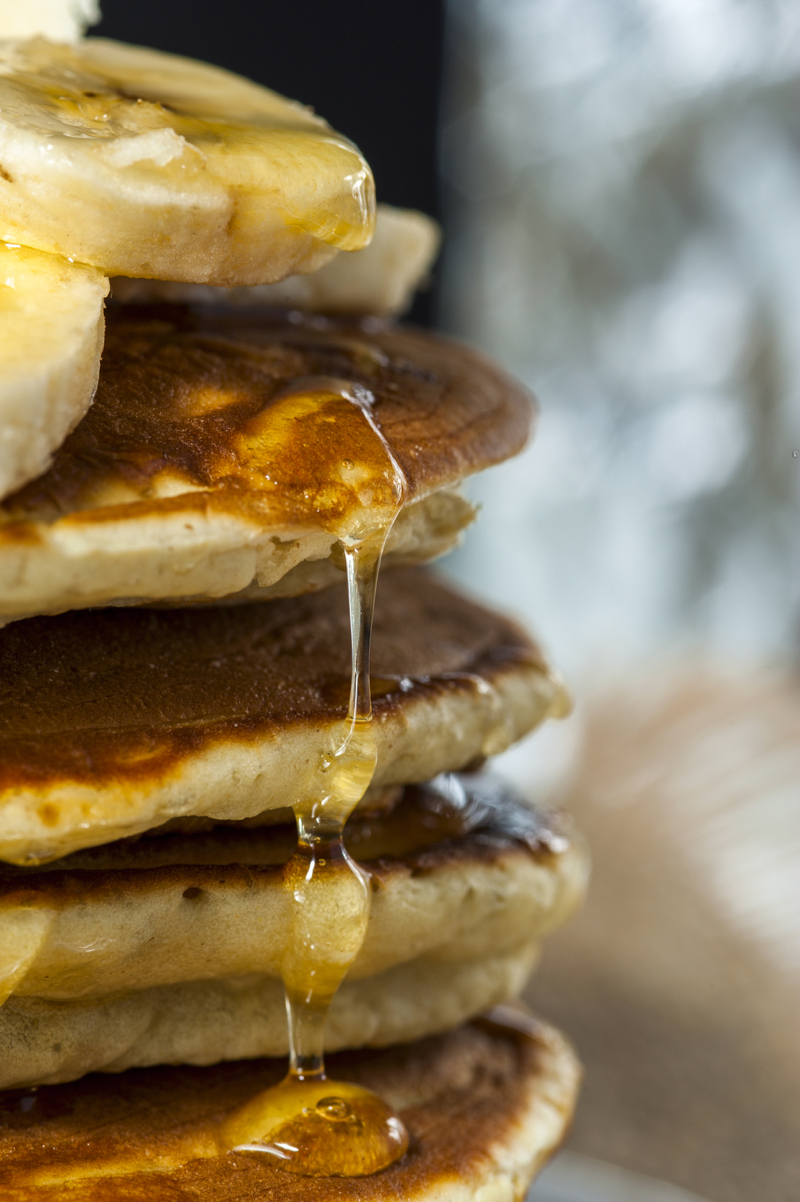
pixel 459 871
pixel 166 949
pixel 204 1022
pixel 195 474
pixel 486 1105
pixel 115 721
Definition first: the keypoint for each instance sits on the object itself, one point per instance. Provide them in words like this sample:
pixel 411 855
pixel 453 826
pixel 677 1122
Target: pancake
pixel 379 280
pixel 116 721
pixel 486 1106
pixel 223 451
pixel 459 870
pixel 167 949
pixel 235 1018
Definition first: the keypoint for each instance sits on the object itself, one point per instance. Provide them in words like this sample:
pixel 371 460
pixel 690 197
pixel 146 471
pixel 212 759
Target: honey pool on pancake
pixel 309 1124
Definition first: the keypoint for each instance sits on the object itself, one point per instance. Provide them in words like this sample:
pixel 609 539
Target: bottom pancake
pixel 485 1107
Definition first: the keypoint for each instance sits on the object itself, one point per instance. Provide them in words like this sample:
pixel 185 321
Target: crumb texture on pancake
pixel 116 721
pixel 486 1106
pixel 170 487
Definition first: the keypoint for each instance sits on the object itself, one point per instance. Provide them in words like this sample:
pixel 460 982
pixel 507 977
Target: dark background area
pixel 372 70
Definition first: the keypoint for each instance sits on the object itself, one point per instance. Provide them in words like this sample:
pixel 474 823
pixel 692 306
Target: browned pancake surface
pixel 149 1134
pixel 179 390
pixel 126 693
pixel 424 831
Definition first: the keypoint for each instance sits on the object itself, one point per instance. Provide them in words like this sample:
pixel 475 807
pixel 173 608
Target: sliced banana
pixel 148 164
pixel 381 279
pixel 59 19
pixel 51 337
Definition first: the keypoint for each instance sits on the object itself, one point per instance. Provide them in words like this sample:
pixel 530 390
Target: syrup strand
pixel 363 564
pixel 320 829
pixel 309 985
pixel 307 1124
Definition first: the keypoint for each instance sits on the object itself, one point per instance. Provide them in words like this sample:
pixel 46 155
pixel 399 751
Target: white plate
pixel 573 1178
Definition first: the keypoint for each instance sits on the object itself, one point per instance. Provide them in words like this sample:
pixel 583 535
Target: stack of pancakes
pixel 176 647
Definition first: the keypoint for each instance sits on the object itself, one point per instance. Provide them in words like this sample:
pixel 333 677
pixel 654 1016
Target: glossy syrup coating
pixel 184 420
pixel 310 1124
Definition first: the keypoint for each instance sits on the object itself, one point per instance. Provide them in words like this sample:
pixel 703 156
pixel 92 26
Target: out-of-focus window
pixel 622 182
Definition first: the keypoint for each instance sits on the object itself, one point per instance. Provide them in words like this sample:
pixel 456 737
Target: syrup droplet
pixel 335 1109
pixel 308 1124
pixel 306 1128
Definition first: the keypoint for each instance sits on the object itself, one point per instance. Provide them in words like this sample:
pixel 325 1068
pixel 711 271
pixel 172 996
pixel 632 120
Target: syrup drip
pixel 309 1124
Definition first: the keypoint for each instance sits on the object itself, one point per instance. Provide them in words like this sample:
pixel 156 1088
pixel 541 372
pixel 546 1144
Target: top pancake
pixel 222 452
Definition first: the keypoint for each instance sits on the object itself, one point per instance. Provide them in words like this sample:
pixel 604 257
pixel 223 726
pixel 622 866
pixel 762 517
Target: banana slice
pixel 380 280
pixel 65 19
pixel 51 336
pixel 148 164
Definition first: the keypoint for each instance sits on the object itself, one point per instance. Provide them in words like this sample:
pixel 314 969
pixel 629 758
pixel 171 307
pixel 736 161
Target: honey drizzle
pixel 308 1124
pixel 321 853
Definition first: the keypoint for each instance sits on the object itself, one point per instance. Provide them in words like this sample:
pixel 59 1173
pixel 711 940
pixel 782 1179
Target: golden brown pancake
pixel 460 871
pixel 115 721
pixel 486 1106
pixel 237 1018
pixel 195 474
pixel 167 948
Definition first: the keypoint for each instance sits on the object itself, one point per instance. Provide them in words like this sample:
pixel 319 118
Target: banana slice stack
pixel 179 179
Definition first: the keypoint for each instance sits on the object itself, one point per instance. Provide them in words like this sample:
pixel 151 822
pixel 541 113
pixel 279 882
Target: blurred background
pixel 619 184
pixel 621 195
